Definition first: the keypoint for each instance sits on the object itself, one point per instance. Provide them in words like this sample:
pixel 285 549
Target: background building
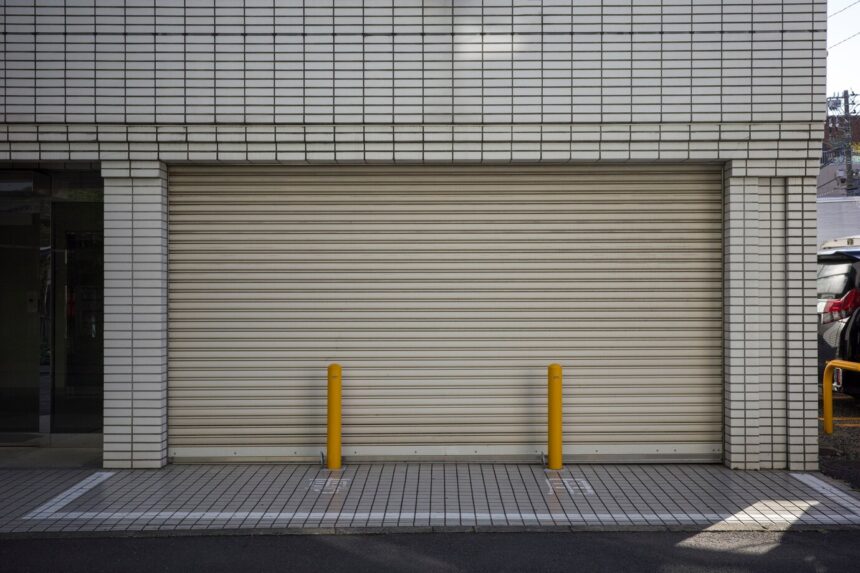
pixel 841 143
pixel 838 204
pixel 444 197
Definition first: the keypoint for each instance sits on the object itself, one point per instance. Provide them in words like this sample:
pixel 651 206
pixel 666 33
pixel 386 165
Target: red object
pixel 838 309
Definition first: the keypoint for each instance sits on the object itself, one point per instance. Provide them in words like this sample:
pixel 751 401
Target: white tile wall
pixel 142 83
pixel 412 62
pixel 135 316
pixel 773 391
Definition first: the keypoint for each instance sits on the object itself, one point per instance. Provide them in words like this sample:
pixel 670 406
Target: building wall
pixel 838 217
pixel 144 84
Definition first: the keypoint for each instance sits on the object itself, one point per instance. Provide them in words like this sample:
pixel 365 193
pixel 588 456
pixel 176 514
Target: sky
pixel 843 61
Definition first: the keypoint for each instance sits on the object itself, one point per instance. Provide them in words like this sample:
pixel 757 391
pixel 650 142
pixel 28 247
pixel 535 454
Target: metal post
pixel 849 141
pixel 554 438
pixel 827 399
pixel 335 378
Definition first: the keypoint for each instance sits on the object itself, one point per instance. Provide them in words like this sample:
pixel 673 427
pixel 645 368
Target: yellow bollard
pixel 827 389
pixel 554 455
pixel 827 399
pixel 335 378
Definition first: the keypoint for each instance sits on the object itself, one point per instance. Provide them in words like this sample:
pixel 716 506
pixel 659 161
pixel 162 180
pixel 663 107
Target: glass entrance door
pixel 78 339
pixel 20 310
pixel 51 303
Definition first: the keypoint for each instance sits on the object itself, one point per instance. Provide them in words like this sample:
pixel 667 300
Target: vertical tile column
pixel 773 406
pixel 742 267
pixel 802 326
pixel 135 315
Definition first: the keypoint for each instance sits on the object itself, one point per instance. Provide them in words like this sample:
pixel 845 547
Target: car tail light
pixel 841 308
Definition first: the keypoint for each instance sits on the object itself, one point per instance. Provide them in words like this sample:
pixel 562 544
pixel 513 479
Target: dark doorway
pixel 20 314
pixel 78 246
pixel 51 302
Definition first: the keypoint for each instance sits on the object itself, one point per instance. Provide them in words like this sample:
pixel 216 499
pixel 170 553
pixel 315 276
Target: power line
pixel 845 40
pixel 840 11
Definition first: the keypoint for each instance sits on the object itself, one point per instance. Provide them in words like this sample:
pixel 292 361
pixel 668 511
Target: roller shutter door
pixel 445 292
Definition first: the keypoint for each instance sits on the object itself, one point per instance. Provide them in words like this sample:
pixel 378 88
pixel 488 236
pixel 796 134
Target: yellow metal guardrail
pixel 827 389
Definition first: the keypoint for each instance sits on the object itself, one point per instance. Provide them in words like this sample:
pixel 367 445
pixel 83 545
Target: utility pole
pixel 849 168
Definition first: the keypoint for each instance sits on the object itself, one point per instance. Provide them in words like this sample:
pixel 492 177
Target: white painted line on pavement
pixel 407 516
pixel 762 518
pixel 57 502
pixel 832 493
pixel 838 199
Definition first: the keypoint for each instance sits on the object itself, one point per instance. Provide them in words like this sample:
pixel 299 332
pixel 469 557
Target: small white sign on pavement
pixel 329 484
pixel 573 486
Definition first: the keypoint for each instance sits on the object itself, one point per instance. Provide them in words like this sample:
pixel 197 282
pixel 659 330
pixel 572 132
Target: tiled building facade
pixel 140 85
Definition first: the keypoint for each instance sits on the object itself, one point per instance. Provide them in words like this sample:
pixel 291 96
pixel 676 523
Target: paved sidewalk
pixel 415 496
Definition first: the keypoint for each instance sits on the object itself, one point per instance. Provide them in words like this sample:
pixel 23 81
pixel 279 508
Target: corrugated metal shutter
pixel 445 292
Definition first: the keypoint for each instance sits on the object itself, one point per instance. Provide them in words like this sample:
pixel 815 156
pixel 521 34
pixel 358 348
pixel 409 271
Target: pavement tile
pixel 418 495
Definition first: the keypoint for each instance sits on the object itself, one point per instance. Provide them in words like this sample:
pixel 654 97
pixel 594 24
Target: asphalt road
pixel 670 552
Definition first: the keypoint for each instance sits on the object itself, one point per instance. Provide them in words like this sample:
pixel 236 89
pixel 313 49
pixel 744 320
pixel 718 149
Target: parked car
pixel 839 313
